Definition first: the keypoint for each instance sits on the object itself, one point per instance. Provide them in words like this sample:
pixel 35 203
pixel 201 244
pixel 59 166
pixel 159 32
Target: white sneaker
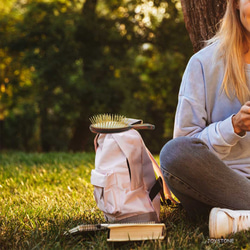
pixel 223 222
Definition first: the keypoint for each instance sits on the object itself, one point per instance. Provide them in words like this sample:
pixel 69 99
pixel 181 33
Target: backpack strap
pixel 157 188
pixel 166 194
pixel 95 141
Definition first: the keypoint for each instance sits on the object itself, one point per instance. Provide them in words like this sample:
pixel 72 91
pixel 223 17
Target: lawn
pixel 42 195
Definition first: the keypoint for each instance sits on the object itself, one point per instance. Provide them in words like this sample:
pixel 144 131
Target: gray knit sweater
pixel 204 111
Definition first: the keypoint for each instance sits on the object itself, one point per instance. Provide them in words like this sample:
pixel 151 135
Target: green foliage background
pixel 62 61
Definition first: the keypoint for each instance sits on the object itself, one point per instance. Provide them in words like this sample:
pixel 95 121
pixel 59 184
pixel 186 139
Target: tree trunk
pixel 201 19
pixel 87 30
pixel 1 134
pixel 44 124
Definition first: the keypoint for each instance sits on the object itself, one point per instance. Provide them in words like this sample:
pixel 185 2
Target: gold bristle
pixel 108 121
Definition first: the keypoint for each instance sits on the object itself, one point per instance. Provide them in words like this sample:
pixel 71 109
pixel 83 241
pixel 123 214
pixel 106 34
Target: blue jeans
pixel 200 180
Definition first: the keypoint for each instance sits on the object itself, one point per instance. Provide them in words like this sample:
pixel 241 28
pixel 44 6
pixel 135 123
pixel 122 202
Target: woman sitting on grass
pixel 207 164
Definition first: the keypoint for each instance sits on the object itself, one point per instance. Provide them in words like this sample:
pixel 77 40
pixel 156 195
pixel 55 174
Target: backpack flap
pixel 130 145
pixel 108 154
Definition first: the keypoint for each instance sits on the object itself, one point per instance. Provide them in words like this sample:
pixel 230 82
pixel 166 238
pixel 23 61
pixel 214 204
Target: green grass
pixel 42 195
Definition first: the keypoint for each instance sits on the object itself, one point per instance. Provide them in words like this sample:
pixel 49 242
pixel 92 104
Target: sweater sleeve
pixel 192 118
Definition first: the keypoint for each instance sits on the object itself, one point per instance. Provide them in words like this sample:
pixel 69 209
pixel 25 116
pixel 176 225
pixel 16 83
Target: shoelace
pixel 241 222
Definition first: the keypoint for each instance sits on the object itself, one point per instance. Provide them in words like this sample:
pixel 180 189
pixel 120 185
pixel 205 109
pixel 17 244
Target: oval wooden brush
pixel 109 123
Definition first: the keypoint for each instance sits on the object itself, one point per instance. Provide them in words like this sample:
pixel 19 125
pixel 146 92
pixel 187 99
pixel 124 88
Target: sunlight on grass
pixel 43 195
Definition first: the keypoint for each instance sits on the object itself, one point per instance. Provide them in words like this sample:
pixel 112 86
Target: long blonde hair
pixel 231 43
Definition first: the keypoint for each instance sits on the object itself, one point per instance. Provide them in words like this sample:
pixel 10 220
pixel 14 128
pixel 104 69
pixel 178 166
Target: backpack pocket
pixel 105 196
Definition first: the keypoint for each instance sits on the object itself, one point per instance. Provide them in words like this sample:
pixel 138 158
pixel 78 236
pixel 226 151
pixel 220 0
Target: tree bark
pixel 86 36
pixel 1 134
pixel 201 19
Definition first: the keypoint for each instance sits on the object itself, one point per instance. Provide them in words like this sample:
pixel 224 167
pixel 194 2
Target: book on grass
pixel 125 231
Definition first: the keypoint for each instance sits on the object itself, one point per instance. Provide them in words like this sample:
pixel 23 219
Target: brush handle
pixel 86 228
pixel 143 126
pixel 122 129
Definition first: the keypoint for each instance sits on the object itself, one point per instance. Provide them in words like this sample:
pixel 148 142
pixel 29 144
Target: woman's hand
pixel 241 121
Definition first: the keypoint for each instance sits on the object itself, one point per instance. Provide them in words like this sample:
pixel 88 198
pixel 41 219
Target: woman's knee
pixel 179 152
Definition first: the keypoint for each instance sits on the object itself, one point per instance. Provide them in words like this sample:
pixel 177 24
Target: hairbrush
pixel 109 123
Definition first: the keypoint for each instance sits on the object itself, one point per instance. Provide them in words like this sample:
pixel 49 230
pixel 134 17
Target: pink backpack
pixel 125 184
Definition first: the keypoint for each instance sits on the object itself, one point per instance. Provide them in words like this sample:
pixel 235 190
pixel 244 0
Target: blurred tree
pixel 133 59
pixel 15 86
pixel 201 18
pixel 71 59
pixel 106 35
pixel 160 66
pixel 45 38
